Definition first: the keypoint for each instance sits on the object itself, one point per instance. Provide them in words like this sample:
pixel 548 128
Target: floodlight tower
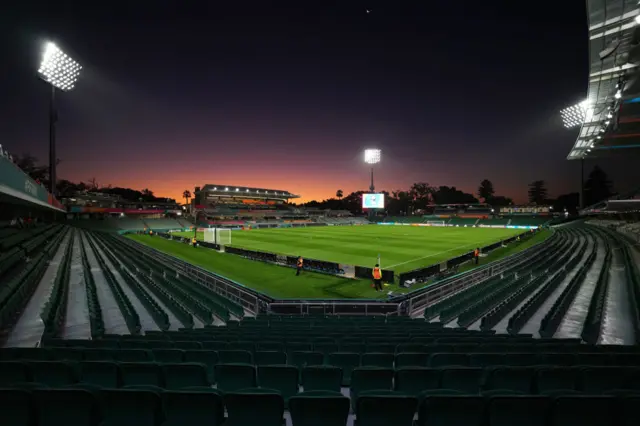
pixel 59 70
pixel 372 156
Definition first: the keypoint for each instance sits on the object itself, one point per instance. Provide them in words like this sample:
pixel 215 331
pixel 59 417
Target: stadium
pixel 242 307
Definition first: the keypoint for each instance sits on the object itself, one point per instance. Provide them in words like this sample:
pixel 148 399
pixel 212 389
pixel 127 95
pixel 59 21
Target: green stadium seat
pixel 519 410
pixel 302 359
pixel 411 348
pixel 464 379
pixel 559 359
pixel 319 408
pixel 628 410
pixel 192 408
pixel 382 348
pixel 232 377
pixel 292 347
pixel 168 355
pixel 140 373
pixel 583 411
pixel 252 407
pixel 385 408
pixel 100 354
pixel 415 380
pixel 452 410
pixel 369 379
pixel 270 346
pixel 325 348
pixel 283 378
pixel 243 345
pixel 596 380
pixel 17 408
pixel 552 379
pixel 412 359
pixel 448 360
pixel 14 372
pixel 206 357
pixel 25 354
pixel 129 407
pixel 235 356
pixel 487 359
pixel 52 373
pixel 67 354
pixel 522 359
pixel 514 378
pixel 322 378
pixel 216 345
pixel 133 355
pixel 66 407
pixel 185 344
pixel 270 358
pixel 181 375
pixel 100 373
pixel 347 361
pixel 384 360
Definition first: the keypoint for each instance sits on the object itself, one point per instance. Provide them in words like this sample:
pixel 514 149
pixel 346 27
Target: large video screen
pixel 373 201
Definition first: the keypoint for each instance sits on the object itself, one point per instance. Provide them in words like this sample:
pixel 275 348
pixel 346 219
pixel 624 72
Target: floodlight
pixel 58 69
pixel 618 94
pixel 371 156
pixel 575 115
pixel 237 190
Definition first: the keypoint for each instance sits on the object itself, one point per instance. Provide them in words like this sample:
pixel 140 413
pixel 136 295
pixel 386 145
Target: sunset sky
pixel 286 95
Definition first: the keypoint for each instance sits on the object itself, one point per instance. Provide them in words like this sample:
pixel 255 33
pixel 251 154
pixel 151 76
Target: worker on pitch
pixel 377 277
pixel 194 242
pixel 299 265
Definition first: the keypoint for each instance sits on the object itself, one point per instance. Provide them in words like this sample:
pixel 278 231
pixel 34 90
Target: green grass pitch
pixel 402 248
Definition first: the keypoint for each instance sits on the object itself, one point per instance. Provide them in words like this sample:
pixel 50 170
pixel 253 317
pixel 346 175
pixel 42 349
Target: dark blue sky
pixel 287 94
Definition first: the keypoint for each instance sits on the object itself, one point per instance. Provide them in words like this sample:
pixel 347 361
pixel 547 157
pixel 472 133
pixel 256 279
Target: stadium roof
pixel 253 192
pixel 610 115
pixel 626 202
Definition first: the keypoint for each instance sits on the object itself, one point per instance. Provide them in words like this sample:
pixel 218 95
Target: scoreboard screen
pixel 373 201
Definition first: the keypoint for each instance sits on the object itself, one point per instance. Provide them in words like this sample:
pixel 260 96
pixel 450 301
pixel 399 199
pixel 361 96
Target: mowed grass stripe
pixel 406 247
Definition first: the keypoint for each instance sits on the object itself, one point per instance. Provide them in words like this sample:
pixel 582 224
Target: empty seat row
pixel 249 407
pixel 286 378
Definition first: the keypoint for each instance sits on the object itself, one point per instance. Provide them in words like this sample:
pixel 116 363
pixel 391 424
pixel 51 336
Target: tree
pixel 93 185
pixel 501 201
pixel 421 194
pixel 452 195
pixel 486 191
pixel 186 195
pixel 29 164
pixel 147 195
pixel 597 187
pixel 339 194
pixel 537 192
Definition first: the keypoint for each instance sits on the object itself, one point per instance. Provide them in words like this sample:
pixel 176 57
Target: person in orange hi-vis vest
pixel 476 254
pixel 377 277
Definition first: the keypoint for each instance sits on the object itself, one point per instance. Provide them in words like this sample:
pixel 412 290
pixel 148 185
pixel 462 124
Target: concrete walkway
pixel 114 322
pixel 572 324
pixel 29 328
pixel 77 324
pixel 146 320
pixel 617 318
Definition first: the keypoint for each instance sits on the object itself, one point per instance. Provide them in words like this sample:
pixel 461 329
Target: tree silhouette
pixel 93 184
pixel 597 187
pixel 186 195
pixel 421 194
pixel 339 194
pixel 537 192
pixel 486 191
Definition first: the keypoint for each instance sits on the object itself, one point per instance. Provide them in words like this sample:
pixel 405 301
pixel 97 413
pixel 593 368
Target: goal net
pixel 218 236
pixel 435 222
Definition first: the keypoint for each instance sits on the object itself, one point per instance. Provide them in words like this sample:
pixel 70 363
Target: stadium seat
pixel 321 378
pixel 385 408
pixel 181 375
pixel 270 358
pixel 52 373
pixel 232 377
pixel 283 378
pixel 140 373
pixel 319 408
pixel 464 379
pixel 452 410
pixel 448 360
pixel 67 354
pixel 192 408
pixel 519 410
pixel 207 357
pixel 99 354
pixel 369 379
pixel 129 407
pixel 410 348
pixel 133 355
pixel 215 345
pixel 412 359
pixel 14 372
pixel 347 361
pixel 487 359
pixel 235 357
pixel 384 360
pixel 514 378
pixel 583 411
pixel 550 379
pixel 596 380
pixel 302 359
pixel 25 354
pixel 100 373
pixel 413 381
pixel 17 408
pixel 168 355
pixel 59 407
pixel 251 407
